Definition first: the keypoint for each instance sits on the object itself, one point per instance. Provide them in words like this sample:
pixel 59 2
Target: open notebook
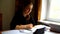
pixel 31 31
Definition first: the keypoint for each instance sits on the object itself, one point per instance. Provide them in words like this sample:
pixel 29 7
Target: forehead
pixel 30 6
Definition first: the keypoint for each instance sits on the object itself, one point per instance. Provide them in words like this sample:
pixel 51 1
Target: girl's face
pixel 28 9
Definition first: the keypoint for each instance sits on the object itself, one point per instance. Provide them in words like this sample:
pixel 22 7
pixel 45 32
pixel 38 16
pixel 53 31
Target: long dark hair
pixel 22 5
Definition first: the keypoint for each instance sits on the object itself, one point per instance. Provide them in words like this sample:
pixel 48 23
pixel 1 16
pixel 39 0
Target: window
pixel 50 11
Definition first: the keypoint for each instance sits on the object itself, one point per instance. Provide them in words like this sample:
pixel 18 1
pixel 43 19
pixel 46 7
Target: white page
pixel 26 31
pixel 13 32
pixel 37 27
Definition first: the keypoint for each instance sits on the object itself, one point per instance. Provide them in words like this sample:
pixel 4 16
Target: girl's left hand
pixel 29 26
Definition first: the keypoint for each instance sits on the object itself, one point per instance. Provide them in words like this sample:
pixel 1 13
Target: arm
pixel 13 23
pixel 33 21
pixel 27 26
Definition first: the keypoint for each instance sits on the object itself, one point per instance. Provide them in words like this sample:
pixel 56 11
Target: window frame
pixel 45 15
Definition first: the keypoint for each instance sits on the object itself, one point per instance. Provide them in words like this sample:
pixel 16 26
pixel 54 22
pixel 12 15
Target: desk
pixel 46 32
pixel 38 26
pixel 49 32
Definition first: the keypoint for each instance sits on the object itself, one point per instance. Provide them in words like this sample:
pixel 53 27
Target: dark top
pixel 21 20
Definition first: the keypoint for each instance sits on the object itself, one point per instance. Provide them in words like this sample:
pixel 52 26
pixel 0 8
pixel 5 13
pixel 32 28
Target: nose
pixel 28 10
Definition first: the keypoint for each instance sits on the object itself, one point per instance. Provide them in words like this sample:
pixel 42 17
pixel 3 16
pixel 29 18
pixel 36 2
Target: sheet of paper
pixel 37 27
pixel 26 31
pixel 13 32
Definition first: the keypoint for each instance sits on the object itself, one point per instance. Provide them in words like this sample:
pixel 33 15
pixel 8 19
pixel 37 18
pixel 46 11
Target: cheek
pixel 27 10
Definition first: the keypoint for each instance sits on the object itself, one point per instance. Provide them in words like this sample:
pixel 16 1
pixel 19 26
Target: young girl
pixel 22 18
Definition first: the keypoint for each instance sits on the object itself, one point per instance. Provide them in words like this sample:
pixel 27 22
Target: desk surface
pixel 38 26
pixel 49 32
pixel 46 32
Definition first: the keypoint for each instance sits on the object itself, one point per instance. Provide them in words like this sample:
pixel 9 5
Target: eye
pixel 28 9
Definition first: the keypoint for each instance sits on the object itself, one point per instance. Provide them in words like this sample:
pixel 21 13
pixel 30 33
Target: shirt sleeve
pixel 13 23
pixel 33 21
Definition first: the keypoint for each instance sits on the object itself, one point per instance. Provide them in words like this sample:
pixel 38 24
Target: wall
pixel 0 6
pixel 7 8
